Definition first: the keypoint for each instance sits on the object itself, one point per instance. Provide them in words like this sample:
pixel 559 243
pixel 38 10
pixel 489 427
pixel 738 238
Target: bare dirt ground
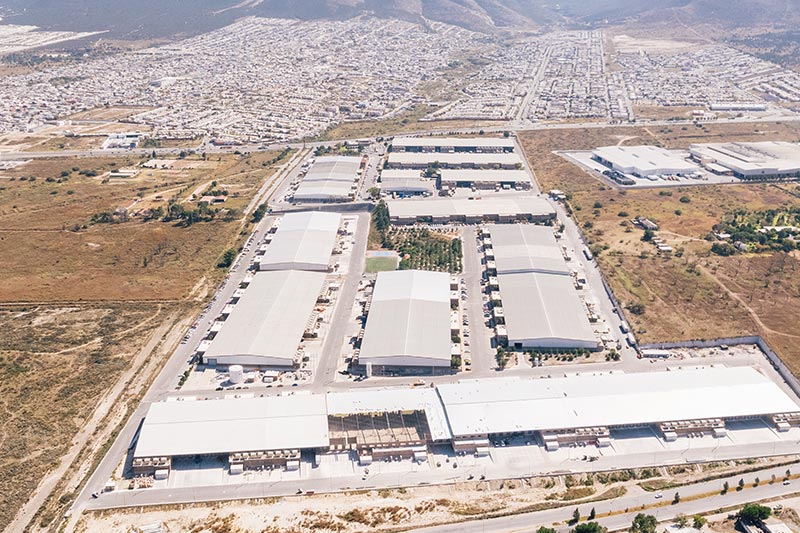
pixel 393 509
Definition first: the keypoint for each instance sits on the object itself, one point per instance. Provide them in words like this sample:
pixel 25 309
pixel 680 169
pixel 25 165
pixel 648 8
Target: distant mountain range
pixel 169 18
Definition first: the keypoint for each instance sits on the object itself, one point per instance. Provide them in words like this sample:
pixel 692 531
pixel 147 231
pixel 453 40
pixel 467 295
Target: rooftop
pixel 267 324
pixel 303 241
pixel 493 205
pixel 181 428
pixel 433 142
pixel 645 160
pixel 510 405
pixel 409 320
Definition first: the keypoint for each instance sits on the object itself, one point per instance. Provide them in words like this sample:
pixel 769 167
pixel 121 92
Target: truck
pixel 624 328
pixel 588 253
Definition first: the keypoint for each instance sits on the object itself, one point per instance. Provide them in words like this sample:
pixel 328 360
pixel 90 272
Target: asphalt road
pixel 696 498
pixel 520 126
pixel 331 350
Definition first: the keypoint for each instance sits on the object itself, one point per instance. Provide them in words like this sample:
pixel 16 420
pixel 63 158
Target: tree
pixel 259 213
pixel 698 521
pixel 753 512
pixel 380 216
pixel 681 520
pixel 589 527
pixel 543 529
pixel 685 199
pixel 740 485
pixel 723 248
pixel 592 514
pixel 576 516
pixel 636 308
pixel 648 235
pixel 227 258
pixel 676 499
pixel 725 488
pixel 644 523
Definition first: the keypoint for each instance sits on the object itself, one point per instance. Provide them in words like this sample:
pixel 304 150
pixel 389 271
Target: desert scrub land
pixel 56 362
pixel 78 235
pixel 691 293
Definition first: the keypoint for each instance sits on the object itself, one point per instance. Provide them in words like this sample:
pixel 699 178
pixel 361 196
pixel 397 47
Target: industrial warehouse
pixel 484 179
pixel 302 241
pixel 269 321
pixel 643 161
pixel 423 160
pixel 266 322
pixel 406 183
pixel 452 144
pixel 747 161
pixel 408 324
pixel 536 306
pixel 330 179
pixel 548 412
pixel 730 162
pixel 465 210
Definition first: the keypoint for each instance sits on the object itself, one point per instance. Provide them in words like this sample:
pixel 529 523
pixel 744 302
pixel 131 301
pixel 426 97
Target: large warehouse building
pixel 330 179
pixel 643 161
pixel 541 307
pixel 490 209
pixel 758 160
pixel 423 160
pixel 267 324
pixel 588 409
pixel 485 179
pixel 406 183
pixel 303 241
pixel 408 325
pixel 452 144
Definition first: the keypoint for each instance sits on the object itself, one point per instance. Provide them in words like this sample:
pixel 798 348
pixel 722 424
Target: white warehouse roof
pixel 454 159
pixel 752 159
pixel 452 142
pixel 504 206
pixel 329 178
pixel 407 181
pixel 181 428
pixel 522 248
pixel 511 405
pixel 541 305
pixel 303 241
pixel 484 175
pixel 267 324
pixel 409 320
pixel 645 160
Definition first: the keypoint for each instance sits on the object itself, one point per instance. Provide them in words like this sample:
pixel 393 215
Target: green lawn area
pixel 380 264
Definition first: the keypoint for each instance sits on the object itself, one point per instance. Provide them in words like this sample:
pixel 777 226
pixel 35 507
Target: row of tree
pixel 751 513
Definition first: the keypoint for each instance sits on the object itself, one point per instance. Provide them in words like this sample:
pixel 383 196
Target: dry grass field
pixel 690 294
pixel 79 299
pixel 60 255
pixel 56 363
pixel 408 122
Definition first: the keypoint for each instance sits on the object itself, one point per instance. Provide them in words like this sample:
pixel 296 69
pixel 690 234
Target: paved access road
pixel 707 497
